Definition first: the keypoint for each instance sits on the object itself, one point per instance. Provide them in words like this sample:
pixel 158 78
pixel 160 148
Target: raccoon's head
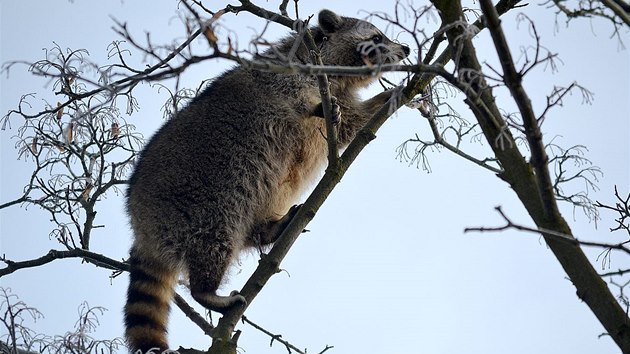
pixel 349 41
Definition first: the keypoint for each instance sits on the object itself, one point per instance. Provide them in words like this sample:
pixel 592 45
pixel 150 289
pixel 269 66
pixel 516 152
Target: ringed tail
pixel 151 288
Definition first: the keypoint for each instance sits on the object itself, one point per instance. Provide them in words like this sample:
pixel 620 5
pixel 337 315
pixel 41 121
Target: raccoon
pixel 223 175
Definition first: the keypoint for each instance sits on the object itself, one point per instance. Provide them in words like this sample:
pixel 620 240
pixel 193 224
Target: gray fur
pixel 220 176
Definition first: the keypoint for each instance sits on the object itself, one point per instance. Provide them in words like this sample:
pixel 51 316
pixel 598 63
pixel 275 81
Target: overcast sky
pixel 386 267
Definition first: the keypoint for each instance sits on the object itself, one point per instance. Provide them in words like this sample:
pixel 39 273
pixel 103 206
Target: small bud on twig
pixel 59 111
pixel 34 146
pixel 69 132
pixel 115 131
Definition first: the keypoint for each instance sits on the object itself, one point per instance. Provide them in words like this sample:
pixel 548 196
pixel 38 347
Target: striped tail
pixel 151 288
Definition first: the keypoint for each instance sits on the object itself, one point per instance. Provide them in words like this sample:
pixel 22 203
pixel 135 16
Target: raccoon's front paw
pixel 336 111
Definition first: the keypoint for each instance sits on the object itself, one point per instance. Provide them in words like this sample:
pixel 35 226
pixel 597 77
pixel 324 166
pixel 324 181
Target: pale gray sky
pixel 386 266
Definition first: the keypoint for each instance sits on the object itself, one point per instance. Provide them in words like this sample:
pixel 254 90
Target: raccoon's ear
pixel 329 21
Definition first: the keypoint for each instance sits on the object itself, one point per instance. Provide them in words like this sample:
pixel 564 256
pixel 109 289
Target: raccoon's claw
pixel 292 211
pixel 284 221
pixel 336 111
pixel 291 214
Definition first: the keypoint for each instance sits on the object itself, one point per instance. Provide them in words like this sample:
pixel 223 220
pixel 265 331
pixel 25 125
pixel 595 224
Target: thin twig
pixel 619 272
pixel 546 233
pixel 274 337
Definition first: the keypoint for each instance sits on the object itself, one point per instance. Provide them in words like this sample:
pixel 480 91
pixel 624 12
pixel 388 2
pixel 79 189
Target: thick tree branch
pixel 193 315
pixel 513 79
pixel 620 9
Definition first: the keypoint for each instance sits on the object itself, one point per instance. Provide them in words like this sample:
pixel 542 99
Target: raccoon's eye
pixel 377 38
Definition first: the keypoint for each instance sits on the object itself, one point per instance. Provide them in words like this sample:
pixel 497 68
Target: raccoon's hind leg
pixel 207 264
pixel 269 231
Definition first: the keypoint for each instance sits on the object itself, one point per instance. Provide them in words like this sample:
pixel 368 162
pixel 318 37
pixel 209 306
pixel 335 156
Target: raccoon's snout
pixel 397 54
pixel 382 53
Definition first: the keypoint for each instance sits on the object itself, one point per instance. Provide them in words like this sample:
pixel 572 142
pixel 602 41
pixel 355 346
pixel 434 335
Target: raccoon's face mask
pixel 353 42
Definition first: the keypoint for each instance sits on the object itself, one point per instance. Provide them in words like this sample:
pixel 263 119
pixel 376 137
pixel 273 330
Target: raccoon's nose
pixel 406 50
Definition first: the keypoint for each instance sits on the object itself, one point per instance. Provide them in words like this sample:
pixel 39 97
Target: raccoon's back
pixel 227 150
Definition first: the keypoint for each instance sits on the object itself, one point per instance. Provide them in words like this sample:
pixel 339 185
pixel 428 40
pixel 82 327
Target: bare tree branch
pixel 547 233
pixel 97 259
pixel 274 337
pixel 193 315
pixel 513 79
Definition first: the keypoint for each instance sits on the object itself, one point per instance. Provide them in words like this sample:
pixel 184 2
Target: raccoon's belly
pixel 305 170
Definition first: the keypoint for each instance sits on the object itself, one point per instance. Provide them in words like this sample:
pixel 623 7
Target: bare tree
pixel 82 147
